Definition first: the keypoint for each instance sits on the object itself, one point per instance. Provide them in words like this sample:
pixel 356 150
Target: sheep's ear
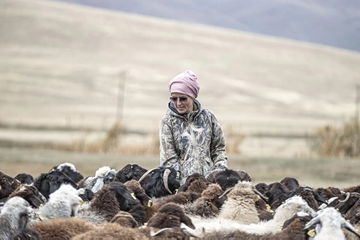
pixel 313 222
pixel 185 219
pixel 350 227
pixel 244 176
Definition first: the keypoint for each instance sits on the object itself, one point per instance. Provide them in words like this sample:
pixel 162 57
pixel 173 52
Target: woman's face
pixel 182 103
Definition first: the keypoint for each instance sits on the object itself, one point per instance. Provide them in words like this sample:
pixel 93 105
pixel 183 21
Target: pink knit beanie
pixel 185 83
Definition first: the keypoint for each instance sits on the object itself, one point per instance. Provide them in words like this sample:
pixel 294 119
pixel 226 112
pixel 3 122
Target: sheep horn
pixel 145 174
pixel 226 192
pixel 266 199
pixel 347 198
pixel 166 179
pixel 153 233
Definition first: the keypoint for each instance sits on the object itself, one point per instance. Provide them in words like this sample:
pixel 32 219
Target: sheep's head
pixel 7 185
pixel 48 183
pixel 30 194
pixel 129 172
pixel 122 195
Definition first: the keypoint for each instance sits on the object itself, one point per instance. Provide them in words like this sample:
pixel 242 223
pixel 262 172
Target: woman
pixel 191 138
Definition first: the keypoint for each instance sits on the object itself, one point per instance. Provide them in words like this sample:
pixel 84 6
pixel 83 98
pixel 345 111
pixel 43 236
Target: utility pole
pixel 357 117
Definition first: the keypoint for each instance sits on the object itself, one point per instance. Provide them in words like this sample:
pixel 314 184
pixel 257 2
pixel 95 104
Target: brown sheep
pixel 170 215
pixel 62 228
pixel 111 231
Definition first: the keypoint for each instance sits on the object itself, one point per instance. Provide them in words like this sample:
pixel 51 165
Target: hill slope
pixel 60 66
pixel 332 22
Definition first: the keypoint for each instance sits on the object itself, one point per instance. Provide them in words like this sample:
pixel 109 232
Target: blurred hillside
pixel 331 22
pixel 68 71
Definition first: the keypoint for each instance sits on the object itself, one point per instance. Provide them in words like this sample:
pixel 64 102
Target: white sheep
pixel 240 204
pixel 63 203
pixel 330 223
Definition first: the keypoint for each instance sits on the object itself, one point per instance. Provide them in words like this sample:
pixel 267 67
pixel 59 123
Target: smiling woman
pixel 191 138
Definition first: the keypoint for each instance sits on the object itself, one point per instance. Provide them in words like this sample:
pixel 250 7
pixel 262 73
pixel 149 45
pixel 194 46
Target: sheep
pixel 284 212
pixel 103 207
pixel 352 189
pixel 62 228
pixel 97 182
pixel 7 185
pixel 63 203
pixel 129 172
pixel 111 231
pixel 209 203
pixel 262 188
pixel 331 223
pixel 326 193
pixel 125 219
pixel 26 234
pixel 137 192
pixel 47 183
pixel 310 196
pixel 70 170
pixel 161 182
pixel 293 228
pixel 24 178
pixel 168 216
pixel 14 216
pixel 240 204
pixel 227 178
pixel 290 183
pixel 30 194
pixel 263 210
pixel 276 194
pixel 196 182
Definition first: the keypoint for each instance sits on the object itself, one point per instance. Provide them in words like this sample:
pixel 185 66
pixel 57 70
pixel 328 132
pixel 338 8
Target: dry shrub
pixel 331 141
pixel 234 138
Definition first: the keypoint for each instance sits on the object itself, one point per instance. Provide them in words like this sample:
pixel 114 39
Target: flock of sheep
pixel 136 203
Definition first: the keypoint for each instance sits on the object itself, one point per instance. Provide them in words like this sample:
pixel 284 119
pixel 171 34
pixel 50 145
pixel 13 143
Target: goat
pixel 47 183
pixel 70 170
pixel 331 223
pixel 14 216
pixel 24 178
pixel 130 172
pixel 30 194
pixel 7 185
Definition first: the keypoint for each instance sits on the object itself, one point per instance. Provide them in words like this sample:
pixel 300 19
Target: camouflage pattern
pixel 192 143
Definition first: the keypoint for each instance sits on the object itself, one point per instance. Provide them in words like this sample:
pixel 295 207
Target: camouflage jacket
pixel 192 143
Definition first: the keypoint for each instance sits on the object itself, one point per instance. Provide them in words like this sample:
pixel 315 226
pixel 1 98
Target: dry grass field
pixel 68 72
